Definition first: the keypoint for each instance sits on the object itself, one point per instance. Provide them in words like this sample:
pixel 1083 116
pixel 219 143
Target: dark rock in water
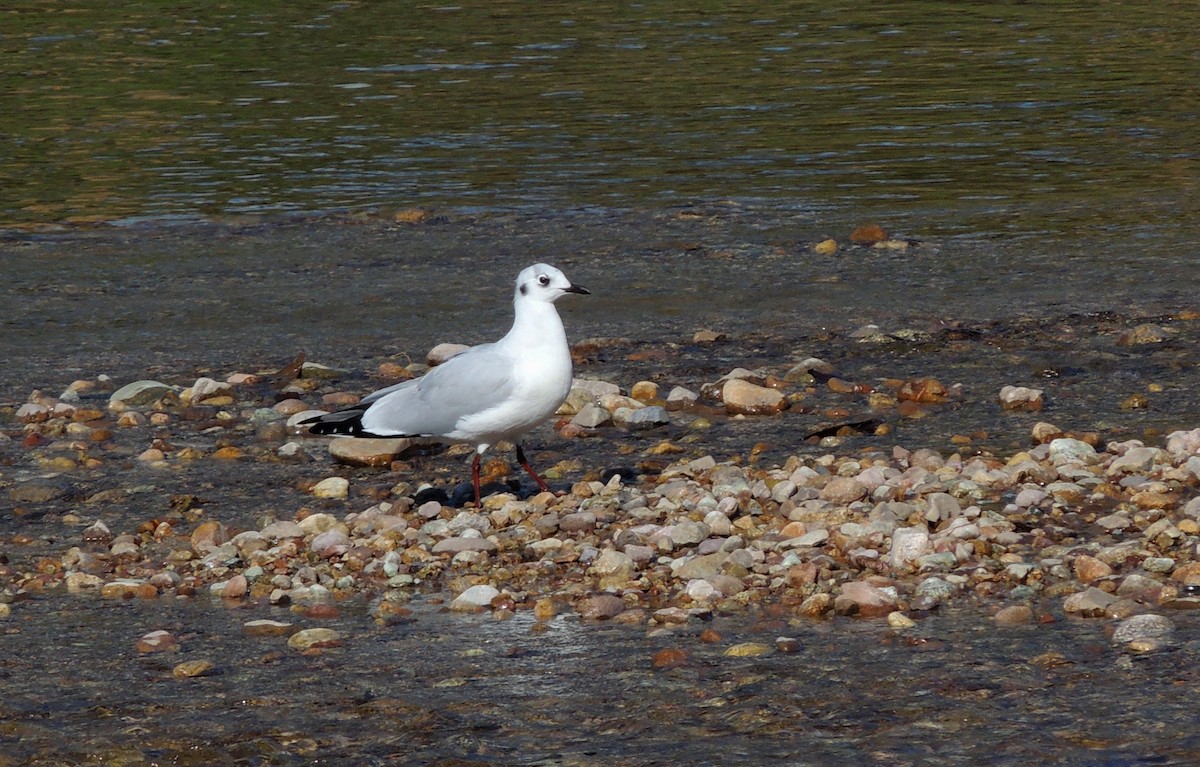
pixel 35 492
pixel 627 474
pixel 431 494
pixel 463 493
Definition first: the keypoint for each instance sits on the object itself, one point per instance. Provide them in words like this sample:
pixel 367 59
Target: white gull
pixel 485 394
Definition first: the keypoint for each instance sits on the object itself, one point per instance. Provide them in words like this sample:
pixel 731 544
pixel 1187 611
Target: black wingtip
pixel 335 423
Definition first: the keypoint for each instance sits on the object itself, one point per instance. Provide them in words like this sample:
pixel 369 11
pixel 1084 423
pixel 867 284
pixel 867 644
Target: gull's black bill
pixel 581 290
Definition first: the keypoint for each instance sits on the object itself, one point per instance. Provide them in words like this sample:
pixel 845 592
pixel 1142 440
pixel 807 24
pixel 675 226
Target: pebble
pixel 601 607
pixel 157 641
pixel 909 544
pixel 1143 627
pixel 190 669
pixel 741 396
pixel 307 639
pixel 592 416
pixel 1021 398
pixel 475 598
pixel 1144 334
pixel 863 599
pixel 642 418
pixel 332 487
pixel 1014 615
pixel 139 393
pixel 747 650
pixel 263 627
pixel 680 398
pixel 367 452
pixel 843 490
pixel 443 352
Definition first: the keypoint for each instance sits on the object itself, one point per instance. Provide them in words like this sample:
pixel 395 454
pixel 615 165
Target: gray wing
pixel 476 380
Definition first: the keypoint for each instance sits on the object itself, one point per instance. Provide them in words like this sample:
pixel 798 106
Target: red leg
pixel 475 479
pixel 525 464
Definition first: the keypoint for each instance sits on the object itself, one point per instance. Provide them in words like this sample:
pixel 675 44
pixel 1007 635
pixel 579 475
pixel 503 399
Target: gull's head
pixel 542 282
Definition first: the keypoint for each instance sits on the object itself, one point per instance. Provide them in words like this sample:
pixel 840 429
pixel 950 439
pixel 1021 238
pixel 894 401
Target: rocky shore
pixel 1069 525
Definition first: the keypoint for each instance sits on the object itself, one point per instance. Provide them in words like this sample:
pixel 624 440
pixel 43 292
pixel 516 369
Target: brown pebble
pixel 671 657
pixel 157 641
pixel 710 636
pixel 787 644
pixel 322 611
pixel 601 607
pixel 923 390
pixel 868 234
pixel 268 628
pixel 1014 615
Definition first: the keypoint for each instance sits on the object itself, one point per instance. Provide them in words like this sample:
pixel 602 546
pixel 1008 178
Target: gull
pixel 482 395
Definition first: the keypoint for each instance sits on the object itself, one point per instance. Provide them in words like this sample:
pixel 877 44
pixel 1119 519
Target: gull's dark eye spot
pixel 543 280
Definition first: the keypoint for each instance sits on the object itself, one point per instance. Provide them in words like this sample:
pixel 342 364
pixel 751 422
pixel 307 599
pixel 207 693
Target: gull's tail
pixel 347 422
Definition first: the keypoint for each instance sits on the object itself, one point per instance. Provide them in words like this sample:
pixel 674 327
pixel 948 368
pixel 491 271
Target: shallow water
pixel 487 692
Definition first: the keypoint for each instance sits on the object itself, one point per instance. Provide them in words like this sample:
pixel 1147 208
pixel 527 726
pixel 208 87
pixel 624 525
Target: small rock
pixel 747 650
pixel 268 628
pixel 35 492
pixel 443 352
pixel 190 669
pixel 868 234
pixel 357 451
pixel 208 536
pixel 680 398
pixel 475 598
pixel 592 416
pixel 601 607
pixel 308 639
pixel 139 393
pixel 644 391
pixel 1065 450
pixel 843 491
pixel 1091 603
pixel 642 418
pixel 1014 615
pixel 743 397
pixel 825 247
pixel 908 545
pixel 1021 398
pixel 1146 626
pixel 1144 334
pixel 1089 569
pixel 332 487
pixel 863 599
pixel 207 389
pixel 157 641
pixel 670 657
pixel 457 544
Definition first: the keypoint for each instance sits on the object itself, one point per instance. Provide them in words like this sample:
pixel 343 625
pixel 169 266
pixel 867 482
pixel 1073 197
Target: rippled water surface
pixel 976 118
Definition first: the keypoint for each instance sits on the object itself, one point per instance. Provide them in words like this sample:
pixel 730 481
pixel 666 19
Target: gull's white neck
pixel 536 324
